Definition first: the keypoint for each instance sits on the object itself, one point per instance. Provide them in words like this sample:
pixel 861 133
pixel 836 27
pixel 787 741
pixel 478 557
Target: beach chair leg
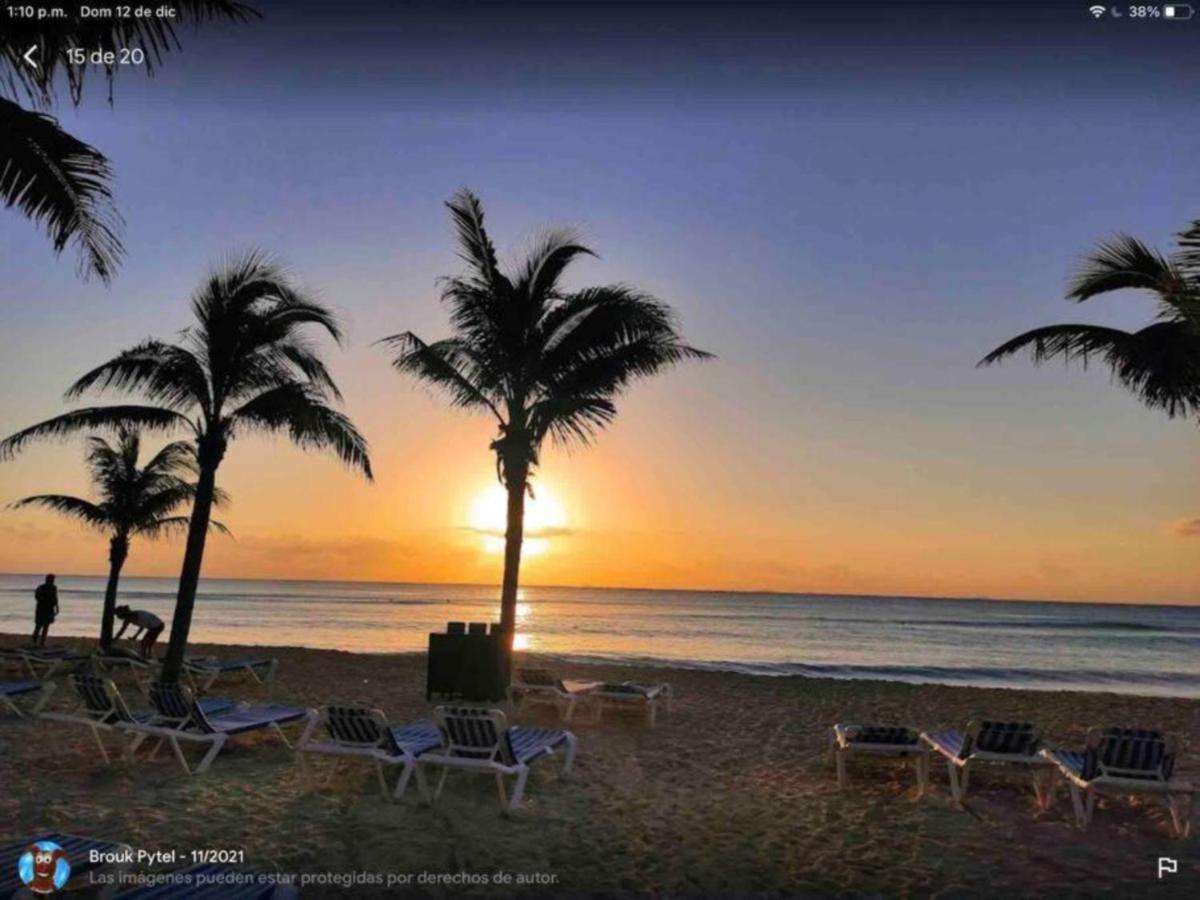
pixel 100 745
pixel 437 792
pixel 1081 818
pixel 180 757
pixel 651 711
pixel 383 785
pixel 217 744
pixel 952 772
pixel 840 762
pixel 406 773
pixel 964 779
pixel 503 794
pixel 1090 806
pixel 48 689
pixel 922 764
pixel 1180 807
pixel 154 753
pixel 6 703
pixel 518 788
pixel 136 742
pixel 569 756
pixel 283 737
pixel 570 709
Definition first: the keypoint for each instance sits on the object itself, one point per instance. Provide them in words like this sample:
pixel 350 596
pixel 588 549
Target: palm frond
pixel 476 248
pixel 299 410
pixel 165 373
pixel 61 183
pixel 85 511
pixel 1160 363
pixel 1125 263
pixel 447 364
pixel 113 418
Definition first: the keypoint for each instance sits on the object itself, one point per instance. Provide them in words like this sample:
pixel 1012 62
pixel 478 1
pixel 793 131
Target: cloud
pixel 1185 528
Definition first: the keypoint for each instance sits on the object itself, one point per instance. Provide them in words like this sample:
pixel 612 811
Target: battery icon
pixel 1178 11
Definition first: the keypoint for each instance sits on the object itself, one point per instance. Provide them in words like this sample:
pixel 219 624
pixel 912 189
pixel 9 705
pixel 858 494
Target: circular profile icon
pixel 43 867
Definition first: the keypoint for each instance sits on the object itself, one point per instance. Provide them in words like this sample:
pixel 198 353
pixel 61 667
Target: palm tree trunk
pixel 118 552
pixel 193 557
pixel 517 477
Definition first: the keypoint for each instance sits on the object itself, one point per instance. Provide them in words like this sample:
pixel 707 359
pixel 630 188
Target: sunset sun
pixel 545 519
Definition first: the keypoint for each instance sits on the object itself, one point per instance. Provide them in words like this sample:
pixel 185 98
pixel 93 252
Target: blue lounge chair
pixel 626 693
pixel 213 881
pixel 54 659
pixel 480 740
pixel 361 731
pixel 879 740
pixel 78 855
pixel 102 708
pixel 534 685
pixel 1014 743
pixel 11 689
pixel 205 670
pixel 181 718
pixel 1125 761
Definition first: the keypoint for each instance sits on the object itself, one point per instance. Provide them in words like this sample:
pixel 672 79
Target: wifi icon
pixel 1097 11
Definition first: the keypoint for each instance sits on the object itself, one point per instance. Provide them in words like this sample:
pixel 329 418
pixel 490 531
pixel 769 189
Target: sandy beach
pixel 733 793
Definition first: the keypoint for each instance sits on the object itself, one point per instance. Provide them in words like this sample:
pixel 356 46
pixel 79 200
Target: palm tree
pixel 134 501
pixel 55 179
pixel 1160 363
pixel 246 365
pixel 541 359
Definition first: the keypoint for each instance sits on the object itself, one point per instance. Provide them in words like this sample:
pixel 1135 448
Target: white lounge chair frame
pixel 487 760
pixel 376 750
pixel 546 688
pixel 43 697
pixel 959 768
pixel 206 676
pixel 172 730
pixel 1176 794
pixel 842 746
pixel 114 718
pixel 659 692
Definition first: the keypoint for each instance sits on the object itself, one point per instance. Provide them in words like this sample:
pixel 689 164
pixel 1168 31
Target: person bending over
pixel 46 596
pixel 147 626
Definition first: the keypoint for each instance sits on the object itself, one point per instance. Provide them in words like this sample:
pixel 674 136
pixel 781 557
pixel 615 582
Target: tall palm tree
pixel 55 179
pixel 245 365
pixel 539 358
pixel 134 501
pixel 1160 363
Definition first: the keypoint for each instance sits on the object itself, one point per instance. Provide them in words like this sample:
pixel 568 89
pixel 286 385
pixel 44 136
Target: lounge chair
pixel 1015 743
pixel 207 669
pixel 181 718
pixel 55 659
pixel 122 659
pixel 1125 761
pixel 213 880
pixel 630 692
pixel 11 689
pixel 481 740
pixel 365 732
pixel 102 708
pixel 543 686
pixel 879 740
pixel 78 851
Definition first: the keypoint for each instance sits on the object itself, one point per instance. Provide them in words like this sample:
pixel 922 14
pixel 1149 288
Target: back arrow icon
pixel 29 54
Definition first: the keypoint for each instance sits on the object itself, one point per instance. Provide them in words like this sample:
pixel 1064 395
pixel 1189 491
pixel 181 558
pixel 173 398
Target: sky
pixel 848 205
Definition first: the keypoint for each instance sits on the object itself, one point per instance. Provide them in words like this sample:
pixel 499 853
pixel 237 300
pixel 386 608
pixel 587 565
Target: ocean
pixel 991 643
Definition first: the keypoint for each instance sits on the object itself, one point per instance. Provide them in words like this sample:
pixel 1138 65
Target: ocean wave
pixel 1173 683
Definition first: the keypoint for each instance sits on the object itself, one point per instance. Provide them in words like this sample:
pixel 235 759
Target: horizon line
pixel 586 587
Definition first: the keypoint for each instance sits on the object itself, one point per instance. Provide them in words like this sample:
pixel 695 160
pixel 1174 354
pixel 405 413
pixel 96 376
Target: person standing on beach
pixel 146 624
pixel 46 596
